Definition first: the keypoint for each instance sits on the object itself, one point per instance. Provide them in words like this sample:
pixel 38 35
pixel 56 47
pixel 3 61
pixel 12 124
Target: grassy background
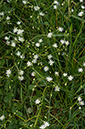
pixel 59 108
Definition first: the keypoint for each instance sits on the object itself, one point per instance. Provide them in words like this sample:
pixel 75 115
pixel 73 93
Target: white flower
pixel 79 107
pixel 72 10
pixel 55 45
pixel 49 79
pixel 83 7
pixel 18 53
pixel 57 88
pixel 33 74
pixel 64 74
pixel 1 13
pixel 15 38
pixel 13 44
pixel 81 103
pixel 21 72
pixel 36 8
pixel 24 2
pixel 83 63
pixel 29 64
pixel 37 44
pixel 81 14
pixel 46 124
pixel 2 117
pixel 80 70
pixel 55 6
pixel 21 39
pixel 15 30
pixel 81 0
pixel 22 56
pixel 42 127
pixel 56 2
pixel 18 23
pixel 46 68
pixel 37 101
pixel 70 78
pixel 36 56
pixel 8 72
pixel 40 40
pixel 6 38
pixel 34 61
pixel 79 99
pixel 7 18
pixel 31 125
pixel 67 42
pixel 49 56
pixel 56 73
pixel 50 35
pixel 21 78
pixel 62 41
pixel 19 31
pixel 31 16
pixel 60 29
pixel 51 62
pixel 41 14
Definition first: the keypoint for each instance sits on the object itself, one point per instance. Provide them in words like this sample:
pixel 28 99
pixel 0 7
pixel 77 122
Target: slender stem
pixel 68 1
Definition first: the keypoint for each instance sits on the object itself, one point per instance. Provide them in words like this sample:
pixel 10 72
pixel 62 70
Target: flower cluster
pixel 80 102
pixel 21 77
pixel 8 72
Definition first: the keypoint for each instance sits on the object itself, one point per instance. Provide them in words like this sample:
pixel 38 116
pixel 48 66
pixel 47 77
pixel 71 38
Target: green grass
pixel 27 97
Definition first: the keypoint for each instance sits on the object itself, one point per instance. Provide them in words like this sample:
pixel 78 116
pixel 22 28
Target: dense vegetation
pixel 42 64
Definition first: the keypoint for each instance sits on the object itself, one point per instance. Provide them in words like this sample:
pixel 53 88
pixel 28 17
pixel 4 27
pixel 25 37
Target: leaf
pixel 2 62
pixel 8 98
pixel 58 35
pixel 78 18
pixel 0 92
pixel 80 88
